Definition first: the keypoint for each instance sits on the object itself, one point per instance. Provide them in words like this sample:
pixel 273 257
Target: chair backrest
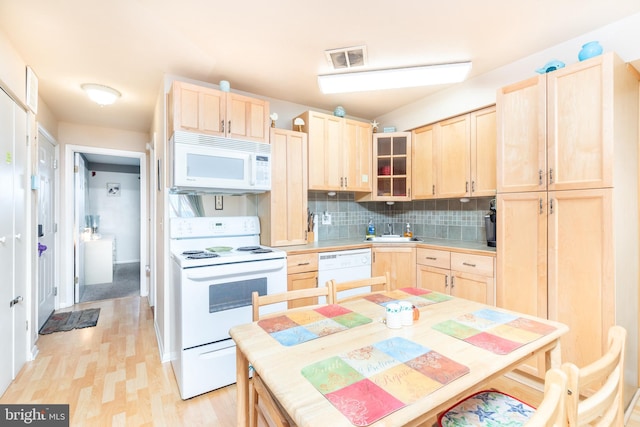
pixel 377 284
pixel 552 410
pixel 596 390
pixel 259 301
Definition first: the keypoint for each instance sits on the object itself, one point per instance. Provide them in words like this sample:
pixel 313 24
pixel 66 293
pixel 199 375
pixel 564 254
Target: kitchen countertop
pixel 479 248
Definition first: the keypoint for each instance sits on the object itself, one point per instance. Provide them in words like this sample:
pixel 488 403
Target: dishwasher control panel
pixel 344 259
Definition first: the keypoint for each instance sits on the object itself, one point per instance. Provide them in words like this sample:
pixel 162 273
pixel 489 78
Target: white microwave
pixel 210 164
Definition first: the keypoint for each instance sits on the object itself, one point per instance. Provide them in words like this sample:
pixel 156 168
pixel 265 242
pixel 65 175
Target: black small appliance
pixel 490 224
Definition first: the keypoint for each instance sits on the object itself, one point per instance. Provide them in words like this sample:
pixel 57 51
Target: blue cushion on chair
pixel 487 408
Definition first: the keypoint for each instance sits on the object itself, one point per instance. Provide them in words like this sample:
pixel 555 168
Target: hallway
pixel 126 283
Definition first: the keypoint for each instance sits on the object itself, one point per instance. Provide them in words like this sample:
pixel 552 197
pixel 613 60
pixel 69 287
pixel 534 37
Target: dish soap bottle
pixel 407 231
pixel 371 229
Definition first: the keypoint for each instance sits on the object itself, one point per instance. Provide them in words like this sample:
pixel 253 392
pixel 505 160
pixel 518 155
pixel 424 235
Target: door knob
pixel 15 301
pixel 41 248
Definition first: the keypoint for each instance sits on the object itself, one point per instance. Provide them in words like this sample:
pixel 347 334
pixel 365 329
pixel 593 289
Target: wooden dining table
pixel 281 366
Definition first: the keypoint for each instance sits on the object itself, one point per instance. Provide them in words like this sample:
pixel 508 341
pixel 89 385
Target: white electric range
pixel 217 263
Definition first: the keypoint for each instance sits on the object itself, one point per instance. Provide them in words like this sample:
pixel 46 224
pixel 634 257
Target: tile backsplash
pixel 444 218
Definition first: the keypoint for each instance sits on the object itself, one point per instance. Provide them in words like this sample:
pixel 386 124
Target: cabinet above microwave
pixel 205 110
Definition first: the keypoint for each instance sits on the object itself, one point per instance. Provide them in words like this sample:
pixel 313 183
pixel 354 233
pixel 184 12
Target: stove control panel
pixel 182 228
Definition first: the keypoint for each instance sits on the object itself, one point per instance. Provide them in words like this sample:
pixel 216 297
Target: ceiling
pixel 272 49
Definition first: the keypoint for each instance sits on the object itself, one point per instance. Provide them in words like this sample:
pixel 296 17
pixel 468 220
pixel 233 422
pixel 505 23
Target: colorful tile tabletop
pixel 305 325
pixel 417 296
pixel 495 331
pixel 371 382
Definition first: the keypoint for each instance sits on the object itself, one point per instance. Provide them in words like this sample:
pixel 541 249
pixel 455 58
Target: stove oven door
pixel 215 298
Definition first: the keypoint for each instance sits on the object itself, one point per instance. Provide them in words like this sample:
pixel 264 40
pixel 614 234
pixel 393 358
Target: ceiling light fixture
pixel 394 78
pixel 100 94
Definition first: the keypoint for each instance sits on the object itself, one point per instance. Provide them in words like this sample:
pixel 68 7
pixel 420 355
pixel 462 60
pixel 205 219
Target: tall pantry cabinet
pixel 567 205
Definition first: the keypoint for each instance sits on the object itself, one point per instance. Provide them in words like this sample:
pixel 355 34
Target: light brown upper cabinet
pixel 557 130
pixel 210 111
pixel 339 153
pixel 392 163
pixel 456 157
pixel 423 176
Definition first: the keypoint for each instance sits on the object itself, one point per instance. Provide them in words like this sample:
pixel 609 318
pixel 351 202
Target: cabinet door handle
pixel 446 281
pixel 473 186
pixel 466 187
pixel 453 282
pixel 539 176
pixel 341 181
pixel 229 126
pixel 222 125
pixel 468 264
pixel 346 181
pixel 550 206
pixel 550 176
pixel 433 190
pixel 541 211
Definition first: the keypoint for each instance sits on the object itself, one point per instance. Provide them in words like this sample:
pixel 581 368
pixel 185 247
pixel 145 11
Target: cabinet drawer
pixel 475 264
pixel 434 258
pixel 302 262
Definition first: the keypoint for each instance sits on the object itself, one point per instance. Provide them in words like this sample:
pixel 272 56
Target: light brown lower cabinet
pixel 302 273
pixel 463 275
pixel 399 261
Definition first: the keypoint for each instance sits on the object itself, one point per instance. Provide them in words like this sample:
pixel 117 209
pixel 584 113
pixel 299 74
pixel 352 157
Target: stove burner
pixel 248 248
pixel 200 255
pixel 193 252
pixel 261 251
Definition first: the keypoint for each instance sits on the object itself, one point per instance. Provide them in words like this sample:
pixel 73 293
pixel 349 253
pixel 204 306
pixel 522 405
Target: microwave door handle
pixel 252 169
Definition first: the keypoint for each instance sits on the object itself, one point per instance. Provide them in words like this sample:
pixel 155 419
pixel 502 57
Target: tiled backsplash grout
pixel 446 219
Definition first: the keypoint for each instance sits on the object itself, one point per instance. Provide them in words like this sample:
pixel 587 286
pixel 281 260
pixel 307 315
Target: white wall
pixel 119 215
pixel 621 37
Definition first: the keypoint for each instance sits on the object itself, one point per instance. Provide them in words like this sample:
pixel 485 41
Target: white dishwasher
pixel 342 266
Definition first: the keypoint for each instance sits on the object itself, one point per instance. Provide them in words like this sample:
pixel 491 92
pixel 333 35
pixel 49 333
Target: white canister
pixel 394 320
pixel 406 313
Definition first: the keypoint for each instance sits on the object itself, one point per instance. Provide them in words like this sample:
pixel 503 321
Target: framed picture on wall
pixel 113 189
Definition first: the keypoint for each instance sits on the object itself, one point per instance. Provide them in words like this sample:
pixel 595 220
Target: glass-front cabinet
pixel 392 161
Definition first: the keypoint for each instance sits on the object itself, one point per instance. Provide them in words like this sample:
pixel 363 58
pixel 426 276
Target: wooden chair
pixel 377 284
pixel 596 390
pixel 299 294
pixel 489 407
pixel 262 401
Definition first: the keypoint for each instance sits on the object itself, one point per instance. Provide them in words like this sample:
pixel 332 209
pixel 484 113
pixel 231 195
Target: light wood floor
pixel 111 375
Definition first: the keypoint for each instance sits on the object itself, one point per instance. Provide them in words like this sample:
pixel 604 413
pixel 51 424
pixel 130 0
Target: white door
pixel 13 239
pixel 46 228
pixel 6 239
pixel 21 262
pixel 80 188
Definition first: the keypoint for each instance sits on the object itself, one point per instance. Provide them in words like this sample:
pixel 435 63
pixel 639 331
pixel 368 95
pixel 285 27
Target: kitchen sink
pixel 392 238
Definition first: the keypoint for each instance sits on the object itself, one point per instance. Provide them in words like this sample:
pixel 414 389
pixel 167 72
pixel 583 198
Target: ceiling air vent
pixel 347 57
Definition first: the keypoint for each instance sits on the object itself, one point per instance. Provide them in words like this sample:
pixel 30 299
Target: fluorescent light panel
pixel 394 78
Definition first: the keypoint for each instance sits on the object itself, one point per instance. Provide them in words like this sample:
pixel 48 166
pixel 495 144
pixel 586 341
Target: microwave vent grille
pixel 182 137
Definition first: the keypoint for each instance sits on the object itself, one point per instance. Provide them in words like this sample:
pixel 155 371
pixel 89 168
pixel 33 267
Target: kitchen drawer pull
pixel 468 264
pixel 303 263
pixel 432 258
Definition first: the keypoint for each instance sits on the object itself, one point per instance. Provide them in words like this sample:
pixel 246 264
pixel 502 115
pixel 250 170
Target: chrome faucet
pixel 389 228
